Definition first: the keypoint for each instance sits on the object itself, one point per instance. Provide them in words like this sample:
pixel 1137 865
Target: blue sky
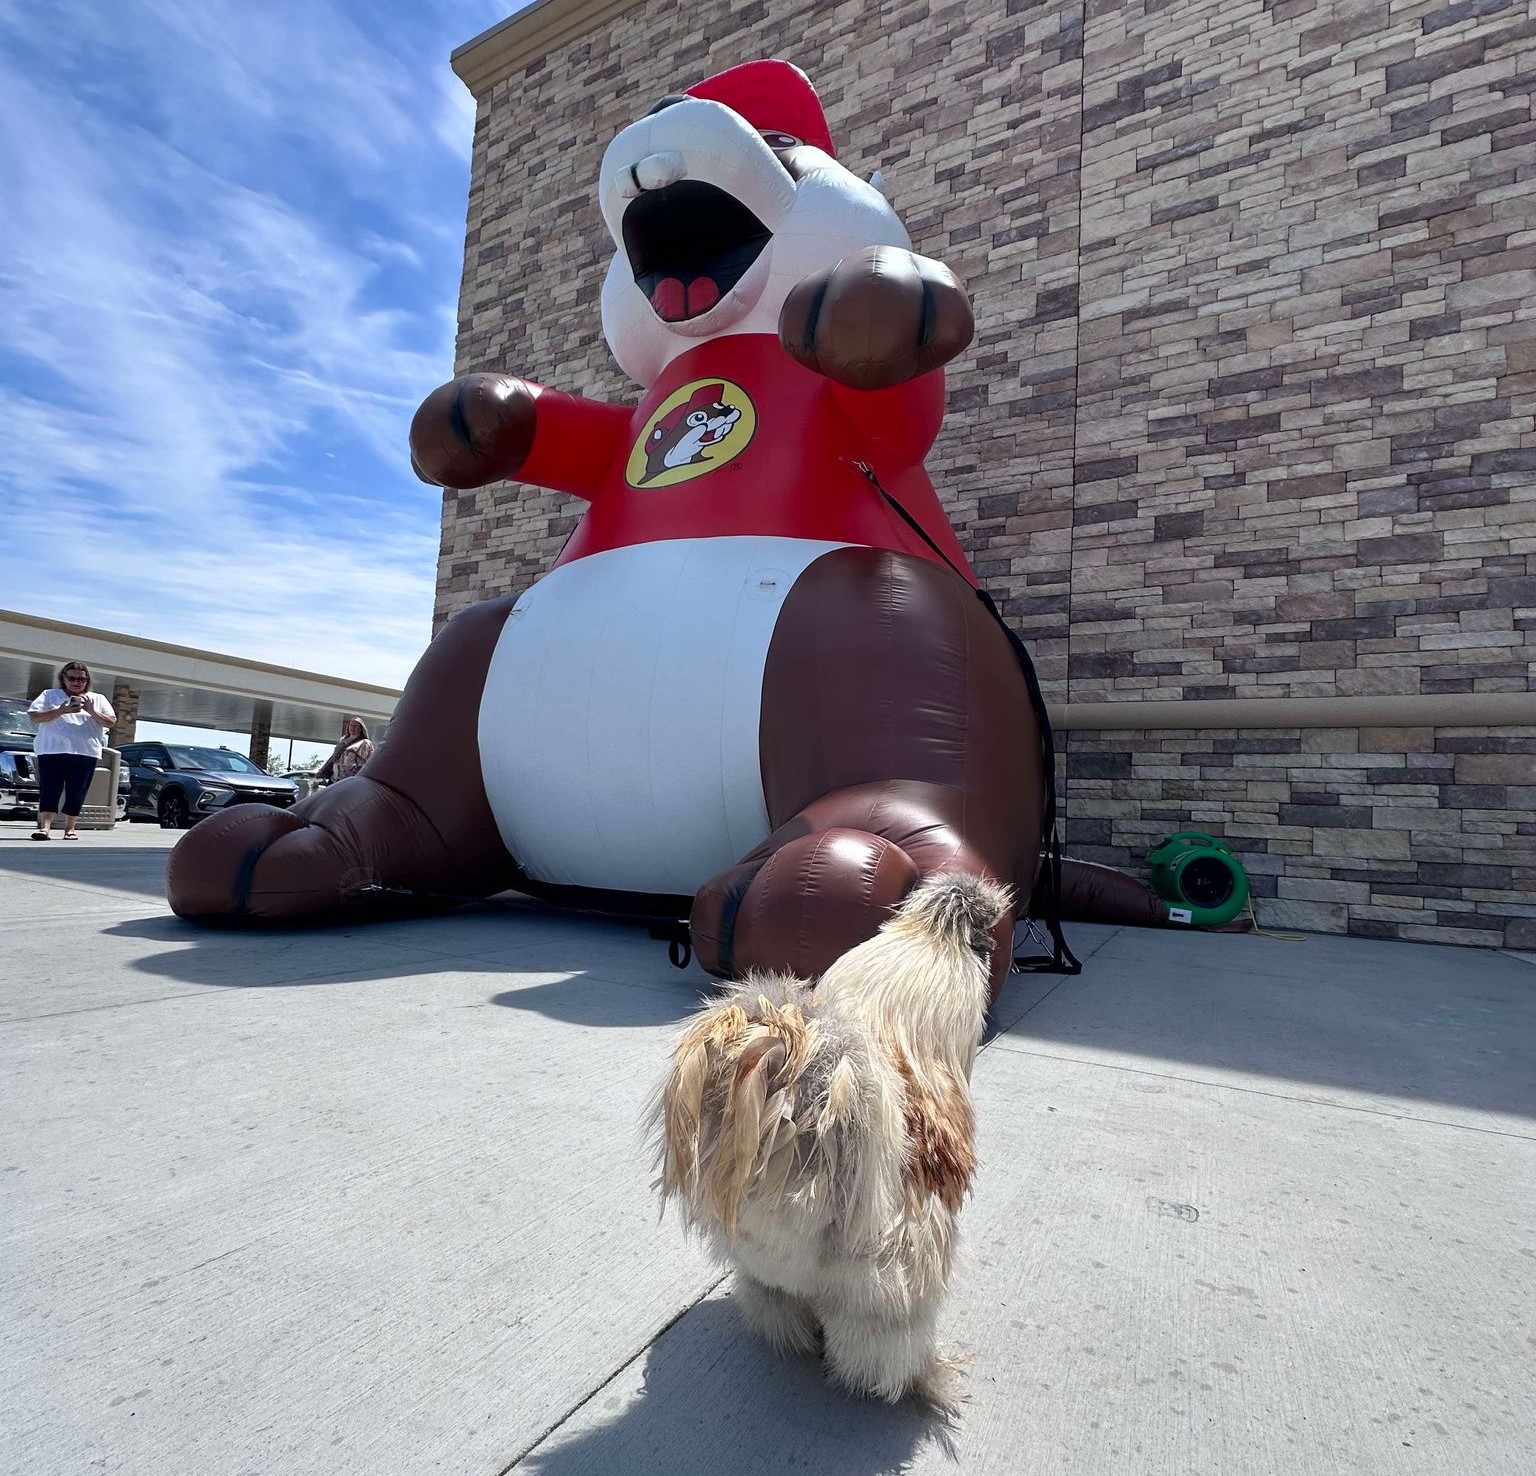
pixel 233 236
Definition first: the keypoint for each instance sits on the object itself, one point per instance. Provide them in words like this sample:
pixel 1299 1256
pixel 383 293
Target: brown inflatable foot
pixel 210 871
pixel 829 878
pixel 329 852
pixel 808 902
pixel 416 820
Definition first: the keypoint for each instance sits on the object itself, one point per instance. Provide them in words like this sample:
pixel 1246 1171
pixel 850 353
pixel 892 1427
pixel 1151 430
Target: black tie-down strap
pixel 1044 908
pixel 671 931
pixel 679 940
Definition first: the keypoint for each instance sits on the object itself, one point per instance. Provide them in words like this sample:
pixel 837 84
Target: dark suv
pixel 177 784
pixel 18 767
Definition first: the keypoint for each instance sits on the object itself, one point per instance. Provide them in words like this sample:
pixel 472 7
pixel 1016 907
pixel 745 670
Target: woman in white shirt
pixel 70 720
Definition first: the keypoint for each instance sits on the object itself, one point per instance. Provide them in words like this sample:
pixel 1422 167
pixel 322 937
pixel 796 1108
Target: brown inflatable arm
pixel 487 427
pixel 878 318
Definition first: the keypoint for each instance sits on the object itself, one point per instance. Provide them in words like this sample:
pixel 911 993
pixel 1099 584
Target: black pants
pixel 68 774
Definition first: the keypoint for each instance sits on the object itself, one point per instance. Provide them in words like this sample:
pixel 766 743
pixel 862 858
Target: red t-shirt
pixel 737 438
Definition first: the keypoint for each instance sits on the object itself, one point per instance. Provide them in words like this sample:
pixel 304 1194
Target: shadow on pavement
pixel 716 1399
pixel 1410 1021
pixel 601 961
pixel 92 861
pixel 1432 1023
pixel 584 1000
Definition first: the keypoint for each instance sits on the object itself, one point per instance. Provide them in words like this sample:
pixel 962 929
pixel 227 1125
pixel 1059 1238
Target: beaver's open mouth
pixel 688 245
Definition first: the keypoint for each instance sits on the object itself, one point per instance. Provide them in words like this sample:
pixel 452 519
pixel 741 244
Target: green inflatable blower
pixel 1199 878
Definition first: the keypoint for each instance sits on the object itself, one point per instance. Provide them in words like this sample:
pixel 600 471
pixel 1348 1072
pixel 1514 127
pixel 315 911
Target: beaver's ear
pixel 877 179
pixel 666 102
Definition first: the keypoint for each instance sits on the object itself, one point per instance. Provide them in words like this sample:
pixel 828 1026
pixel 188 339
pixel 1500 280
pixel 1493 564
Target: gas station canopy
pixel 185 686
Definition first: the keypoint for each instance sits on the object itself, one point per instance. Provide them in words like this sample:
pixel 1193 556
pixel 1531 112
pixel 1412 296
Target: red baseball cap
pixel 773 96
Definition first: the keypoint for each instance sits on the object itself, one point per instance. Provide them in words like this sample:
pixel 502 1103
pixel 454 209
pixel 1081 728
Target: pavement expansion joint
pixel 569 1414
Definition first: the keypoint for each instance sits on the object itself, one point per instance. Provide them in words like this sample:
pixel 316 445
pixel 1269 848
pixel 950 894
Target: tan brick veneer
pixel 1250 409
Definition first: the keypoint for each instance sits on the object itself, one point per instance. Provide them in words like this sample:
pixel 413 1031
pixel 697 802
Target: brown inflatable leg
pixel 897 740
pixel 415 818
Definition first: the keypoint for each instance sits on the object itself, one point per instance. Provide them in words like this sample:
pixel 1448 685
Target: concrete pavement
pixel 370 1200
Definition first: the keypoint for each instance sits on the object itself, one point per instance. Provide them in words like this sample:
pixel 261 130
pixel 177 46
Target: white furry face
pixel 712 230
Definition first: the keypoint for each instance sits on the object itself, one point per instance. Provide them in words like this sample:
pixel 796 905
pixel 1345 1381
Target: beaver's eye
pixel 777 140
pixel 798 159
pixel 697 418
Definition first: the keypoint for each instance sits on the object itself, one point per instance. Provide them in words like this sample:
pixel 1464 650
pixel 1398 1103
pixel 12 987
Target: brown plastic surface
pixel 473 431
pixel 1101 894
pixel 878 318
pixel 893 712
pixel 416 817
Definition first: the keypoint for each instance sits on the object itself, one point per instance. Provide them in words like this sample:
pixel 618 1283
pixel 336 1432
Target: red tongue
pixel 668 300
pixel 672 301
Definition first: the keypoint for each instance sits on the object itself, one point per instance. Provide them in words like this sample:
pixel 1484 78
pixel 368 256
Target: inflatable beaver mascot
pixel 758 684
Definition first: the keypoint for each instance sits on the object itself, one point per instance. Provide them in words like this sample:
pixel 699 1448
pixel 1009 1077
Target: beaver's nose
pixel 654 172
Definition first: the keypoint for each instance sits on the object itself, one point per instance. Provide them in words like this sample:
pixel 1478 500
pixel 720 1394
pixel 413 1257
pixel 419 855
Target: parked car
pixel 18 767
pixel 177 784
pixel 18 777
pixel 307 780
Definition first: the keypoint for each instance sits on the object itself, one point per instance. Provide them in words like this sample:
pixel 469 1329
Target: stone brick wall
pixel 1419 833
pixel 1306 459
pixel 1250 409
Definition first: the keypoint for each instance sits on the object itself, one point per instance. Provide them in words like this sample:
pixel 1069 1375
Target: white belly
pixel 619 726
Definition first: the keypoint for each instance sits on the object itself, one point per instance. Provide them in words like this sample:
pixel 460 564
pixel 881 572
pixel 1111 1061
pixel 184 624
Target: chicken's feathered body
pixel 821 1137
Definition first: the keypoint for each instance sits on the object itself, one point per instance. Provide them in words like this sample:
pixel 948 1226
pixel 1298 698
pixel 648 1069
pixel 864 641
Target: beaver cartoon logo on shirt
pixel 697 428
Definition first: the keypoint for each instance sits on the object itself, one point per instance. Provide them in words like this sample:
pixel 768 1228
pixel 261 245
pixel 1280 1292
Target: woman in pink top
pixel 353 750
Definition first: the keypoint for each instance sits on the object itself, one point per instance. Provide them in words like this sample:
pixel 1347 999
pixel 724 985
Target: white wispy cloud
pixel 285 590
pixel 232 260
pixel 455 117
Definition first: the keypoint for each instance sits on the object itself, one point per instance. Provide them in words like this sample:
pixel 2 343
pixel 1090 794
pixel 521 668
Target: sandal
pixel 41 835
pixel 70 835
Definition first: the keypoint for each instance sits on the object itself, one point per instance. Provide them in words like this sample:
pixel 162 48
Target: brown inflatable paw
pixel 256 862
pixel 336 849
pixel 211 870
pixel 879 317
pixel 473 431
pixel 814 898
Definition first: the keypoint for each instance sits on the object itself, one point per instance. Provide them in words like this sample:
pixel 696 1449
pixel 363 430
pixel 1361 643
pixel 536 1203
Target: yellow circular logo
pixel 705 424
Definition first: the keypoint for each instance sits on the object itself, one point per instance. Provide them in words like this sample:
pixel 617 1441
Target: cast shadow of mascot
pixel 758 684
